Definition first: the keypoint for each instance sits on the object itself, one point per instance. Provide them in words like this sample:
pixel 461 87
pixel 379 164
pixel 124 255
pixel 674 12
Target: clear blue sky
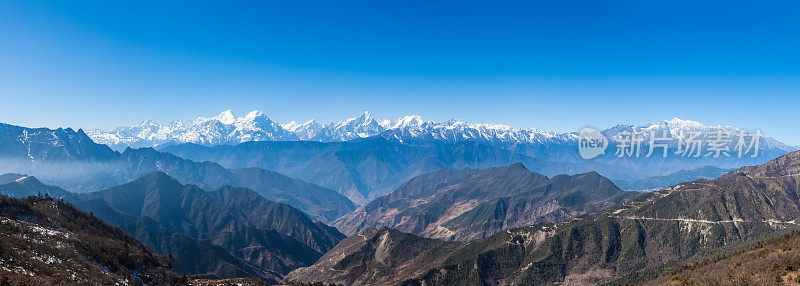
pixel 551 65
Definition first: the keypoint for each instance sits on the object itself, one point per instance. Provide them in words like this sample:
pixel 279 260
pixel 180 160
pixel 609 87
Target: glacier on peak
pixel 291 126
pixel 226 117
pixel 305 131
pixel 407 122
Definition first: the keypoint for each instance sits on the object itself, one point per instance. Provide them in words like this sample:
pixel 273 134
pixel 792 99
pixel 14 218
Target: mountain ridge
pixel 471 204
pixel 71 160
pixel 666 226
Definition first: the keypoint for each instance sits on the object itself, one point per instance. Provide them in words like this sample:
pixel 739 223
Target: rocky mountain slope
pixel 203 230
pixel 470 204
pixel 49 242
pixel 20 186
pixel 376 257
pixel 253 236
pixel 320 203
pixel 770 261
pixel 265 214
pixel 665 226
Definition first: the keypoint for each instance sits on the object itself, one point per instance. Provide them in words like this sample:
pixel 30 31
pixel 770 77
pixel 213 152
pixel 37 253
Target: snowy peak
pixel 291 126
pixel 676 124
pixel 360 122
pixel 226 117
pixel 147 123
pixel 366 118
pixel 673 126
pixel 362 126
pixel 410 121
pixel 305 131
pixel 311 124
pixel 252 115
pixel 413 129
pixel 678 128
pixel 225 128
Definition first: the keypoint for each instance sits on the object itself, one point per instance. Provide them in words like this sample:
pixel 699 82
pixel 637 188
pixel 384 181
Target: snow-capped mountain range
pixel 226 128
pixel 678 128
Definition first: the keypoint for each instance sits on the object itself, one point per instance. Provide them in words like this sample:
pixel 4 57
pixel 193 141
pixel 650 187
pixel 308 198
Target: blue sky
pixel 550 65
